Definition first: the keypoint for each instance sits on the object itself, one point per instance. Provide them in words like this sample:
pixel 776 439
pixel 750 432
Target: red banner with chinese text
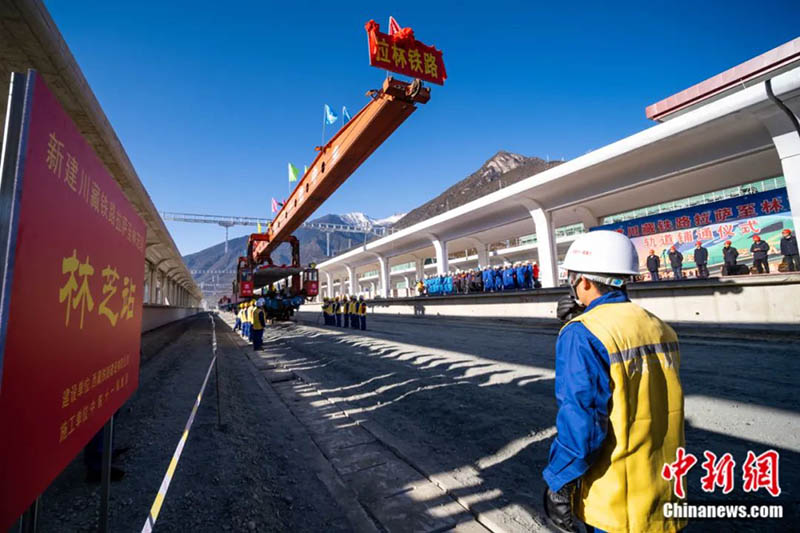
pixel 403 54
pixel 71 351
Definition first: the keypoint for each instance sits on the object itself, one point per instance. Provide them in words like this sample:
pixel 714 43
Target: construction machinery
pixel 336 161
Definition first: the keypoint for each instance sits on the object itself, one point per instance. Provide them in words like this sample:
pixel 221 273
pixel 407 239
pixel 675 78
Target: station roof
pixel 718 145
pixel 29 39
pixel 768 64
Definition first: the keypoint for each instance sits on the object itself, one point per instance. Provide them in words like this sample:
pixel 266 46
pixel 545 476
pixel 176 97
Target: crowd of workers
pixel 759 249
pixel 521 275
pixel 251 319
pixel 345 312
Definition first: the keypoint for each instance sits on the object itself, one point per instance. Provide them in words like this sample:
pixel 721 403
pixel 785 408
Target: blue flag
pixel 330 116
pixel 345 114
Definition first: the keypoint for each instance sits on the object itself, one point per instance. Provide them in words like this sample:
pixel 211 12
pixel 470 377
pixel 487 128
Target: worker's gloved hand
pixel 558 507
pixel 568 308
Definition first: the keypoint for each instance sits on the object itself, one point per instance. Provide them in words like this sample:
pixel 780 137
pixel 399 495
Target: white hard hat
pixel 602 252
pixel 260 302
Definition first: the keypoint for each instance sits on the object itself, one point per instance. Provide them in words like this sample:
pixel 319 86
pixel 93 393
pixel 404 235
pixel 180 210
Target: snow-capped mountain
pixel 357 219
pixel 389 221
pixel 362 220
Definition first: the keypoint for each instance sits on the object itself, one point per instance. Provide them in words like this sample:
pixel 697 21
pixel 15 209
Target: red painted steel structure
pixel 336 161
pixel 754 68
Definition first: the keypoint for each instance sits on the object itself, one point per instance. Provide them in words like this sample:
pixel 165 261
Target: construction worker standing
pixel 326 311
pixel 676 262
pixel 337 310
pixel 789 250
pixel 701 260
pixel 238 325
pixel 354 321
pixel 346 311
pixel 250 310
pixel 620 400
pixel 362 313
pixel 245 323
pixel 259 323
pixel 653 264
pixel 760 250
pixel 729 255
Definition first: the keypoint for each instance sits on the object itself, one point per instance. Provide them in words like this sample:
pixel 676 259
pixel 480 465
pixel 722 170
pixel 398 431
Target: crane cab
pixel 310 280
pixel 243 286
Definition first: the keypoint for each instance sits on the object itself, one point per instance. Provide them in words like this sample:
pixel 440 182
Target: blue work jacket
pixel 508 278
pixel 583 393
pixel 520 270
pixel 488 280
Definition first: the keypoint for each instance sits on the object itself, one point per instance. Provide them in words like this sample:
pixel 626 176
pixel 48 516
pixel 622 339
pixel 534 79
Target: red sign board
pixel 247 289
pixel 72 300
pixel 405 55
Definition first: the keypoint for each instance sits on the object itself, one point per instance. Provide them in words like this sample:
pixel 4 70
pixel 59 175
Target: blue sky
pixel 212 100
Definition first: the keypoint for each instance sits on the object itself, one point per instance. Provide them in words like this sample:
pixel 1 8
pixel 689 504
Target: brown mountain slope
pixel 503 169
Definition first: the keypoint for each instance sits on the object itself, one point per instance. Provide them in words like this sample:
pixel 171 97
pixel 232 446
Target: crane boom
pixel 339 158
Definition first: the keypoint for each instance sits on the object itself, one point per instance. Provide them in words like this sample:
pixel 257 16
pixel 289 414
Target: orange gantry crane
pixel 388 107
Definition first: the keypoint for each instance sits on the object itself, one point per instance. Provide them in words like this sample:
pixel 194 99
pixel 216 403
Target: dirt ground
pixel 251 475
pixel 471 403
pixel 418 424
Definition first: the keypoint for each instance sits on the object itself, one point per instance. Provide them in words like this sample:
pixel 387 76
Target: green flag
pixel 293 172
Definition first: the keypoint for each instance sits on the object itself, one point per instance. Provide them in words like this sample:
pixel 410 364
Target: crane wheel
pixel 413 89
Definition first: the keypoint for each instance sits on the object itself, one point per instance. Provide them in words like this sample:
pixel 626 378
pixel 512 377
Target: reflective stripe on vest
pixel 623 489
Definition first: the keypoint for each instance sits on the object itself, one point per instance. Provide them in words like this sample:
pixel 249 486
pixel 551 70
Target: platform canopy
pixel 730 141
pixel 29 39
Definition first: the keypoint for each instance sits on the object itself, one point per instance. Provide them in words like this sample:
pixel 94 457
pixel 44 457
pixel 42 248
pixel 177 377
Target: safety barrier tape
pixel 173 464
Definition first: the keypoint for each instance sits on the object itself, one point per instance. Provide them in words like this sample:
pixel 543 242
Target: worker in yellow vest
pixel 238 325
pixel 325 318
pixel 338 309
pixel 250 308
pixel 243 312
pixel 362 313
pixel 620 400
pixel 330 317
pixel 353 309
pixel 259 323
pixel 346 311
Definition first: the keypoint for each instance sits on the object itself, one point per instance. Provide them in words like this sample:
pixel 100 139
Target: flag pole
pixel 323 126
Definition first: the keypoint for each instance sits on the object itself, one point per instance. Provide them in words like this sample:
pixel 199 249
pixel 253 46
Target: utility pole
pixel 226 224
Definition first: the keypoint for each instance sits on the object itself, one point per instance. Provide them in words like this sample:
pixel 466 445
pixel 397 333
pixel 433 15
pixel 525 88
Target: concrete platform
pixel 756 301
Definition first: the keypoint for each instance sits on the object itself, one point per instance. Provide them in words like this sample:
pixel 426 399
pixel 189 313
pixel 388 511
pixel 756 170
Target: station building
pixel 29 39
pixel 734 134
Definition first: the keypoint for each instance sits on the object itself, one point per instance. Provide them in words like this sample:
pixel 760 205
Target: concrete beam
pixel 351 279
pixel 784 127
pixel 545 240
pixel 383 272
pixel 586 216
pixel 440 246
pixel 483 251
